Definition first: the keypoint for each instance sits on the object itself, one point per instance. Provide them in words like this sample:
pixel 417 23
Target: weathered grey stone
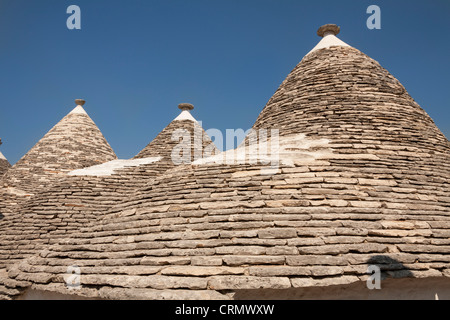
pixel 152 294
pixel 271 271
pixel 155 261
pixel 206 261
pixel 277 233
pixel 248 282
pixel 308 260
pixel 152 281
pixel 332 281
pixel 200 271
pixel 245 260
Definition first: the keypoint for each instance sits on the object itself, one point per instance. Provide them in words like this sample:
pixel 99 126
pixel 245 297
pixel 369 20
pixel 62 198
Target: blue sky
pixel 134 61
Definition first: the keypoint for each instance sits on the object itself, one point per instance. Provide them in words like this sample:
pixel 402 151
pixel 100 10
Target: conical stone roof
pixel 74 142
pixel 363 179
pixel 339 92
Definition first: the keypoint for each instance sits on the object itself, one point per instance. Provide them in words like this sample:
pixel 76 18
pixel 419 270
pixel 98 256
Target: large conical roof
pixel 74 142
pixel 336 91
pixel 363 179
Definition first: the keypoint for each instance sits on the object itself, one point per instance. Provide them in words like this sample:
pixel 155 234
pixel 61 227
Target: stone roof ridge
pixel 328 33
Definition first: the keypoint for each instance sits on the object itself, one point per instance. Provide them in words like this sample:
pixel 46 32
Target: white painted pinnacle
pixel 78 110
pixel 185 115
pixel 79 107
pixel 328 32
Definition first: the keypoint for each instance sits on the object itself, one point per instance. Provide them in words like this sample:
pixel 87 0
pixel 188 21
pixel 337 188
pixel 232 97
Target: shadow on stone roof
pixel 390 267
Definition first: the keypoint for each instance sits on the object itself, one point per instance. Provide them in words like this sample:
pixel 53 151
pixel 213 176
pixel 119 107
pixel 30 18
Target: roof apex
pixel 80 102
pixel 328 33
pixel 328 29
pixel 164 142
pixel 185 106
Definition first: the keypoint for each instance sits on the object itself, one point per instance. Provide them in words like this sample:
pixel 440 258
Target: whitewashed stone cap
pixel 328 33
pixel 185 114
pixel 185 106
pixel 328 29
pixel 79 107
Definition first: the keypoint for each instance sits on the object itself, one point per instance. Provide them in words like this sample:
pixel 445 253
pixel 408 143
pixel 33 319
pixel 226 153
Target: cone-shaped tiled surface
pixel 184 129
pixel 73 143
pixel 339 92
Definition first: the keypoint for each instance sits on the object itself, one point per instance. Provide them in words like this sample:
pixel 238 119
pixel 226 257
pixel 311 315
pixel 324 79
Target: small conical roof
pixel 74 142
pixel 183 130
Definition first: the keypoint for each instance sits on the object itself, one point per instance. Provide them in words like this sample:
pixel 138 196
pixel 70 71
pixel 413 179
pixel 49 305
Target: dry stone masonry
pixel 4 164
pixel 363 179
pixel 73 143
pixel 84 196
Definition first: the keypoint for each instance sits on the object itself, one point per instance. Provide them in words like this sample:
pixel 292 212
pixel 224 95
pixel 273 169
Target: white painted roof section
pixel 78 110
pixel 109 168
pixel 185 115
pixel 284 149
pixel 329 40
pixel 2 157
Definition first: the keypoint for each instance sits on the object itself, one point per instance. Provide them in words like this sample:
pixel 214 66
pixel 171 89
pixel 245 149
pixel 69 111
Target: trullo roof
pixel 75 142
pixel 363 178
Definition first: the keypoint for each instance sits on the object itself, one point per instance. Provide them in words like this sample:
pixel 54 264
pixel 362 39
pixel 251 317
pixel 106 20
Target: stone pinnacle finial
pixel 185 106
pixel 80 102
pixel 328 29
